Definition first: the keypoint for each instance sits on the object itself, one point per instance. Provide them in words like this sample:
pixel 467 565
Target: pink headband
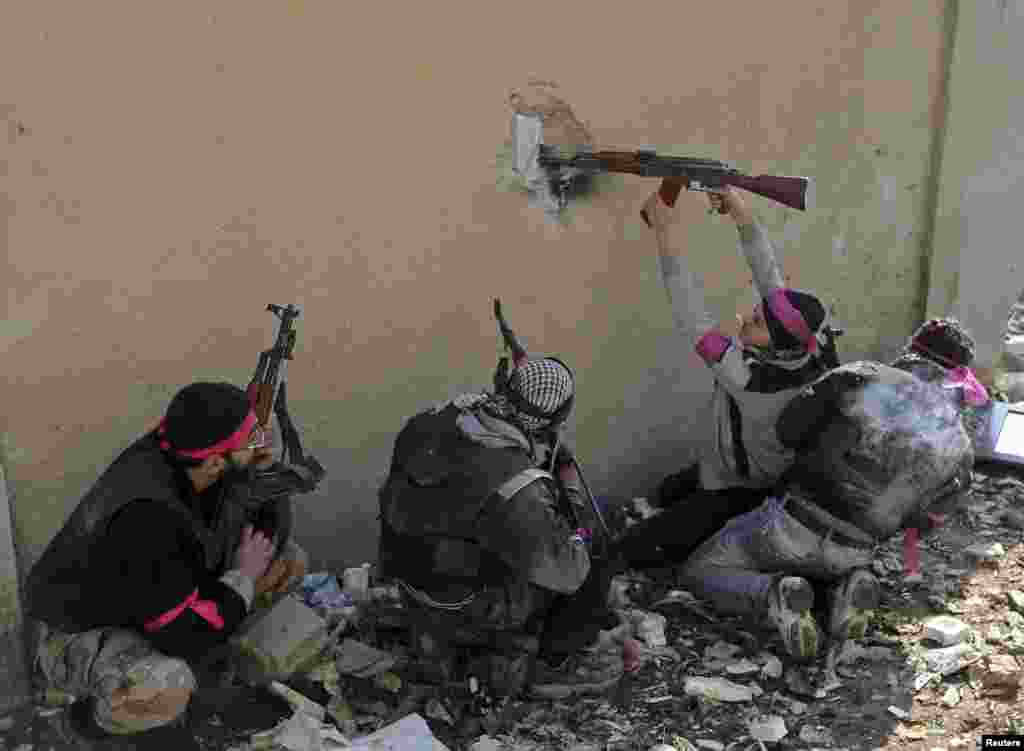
pixel 234 442
pixel 792 320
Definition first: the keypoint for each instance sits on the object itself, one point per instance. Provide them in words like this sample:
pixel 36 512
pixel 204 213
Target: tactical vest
pixel 896 446
pixel 440 483
pixel 58 586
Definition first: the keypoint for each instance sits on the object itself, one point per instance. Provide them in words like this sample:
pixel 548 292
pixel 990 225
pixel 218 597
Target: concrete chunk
pixel 719 689
pixel 985 552
pixel 275 643
pixel 945 630
pixel 770 729
pixel 949 660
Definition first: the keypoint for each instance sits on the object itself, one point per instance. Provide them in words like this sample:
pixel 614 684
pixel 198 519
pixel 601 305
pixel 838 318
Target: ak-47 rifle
pixel 266 498
pixel 519 356
pixel 678 172
pixel 268 392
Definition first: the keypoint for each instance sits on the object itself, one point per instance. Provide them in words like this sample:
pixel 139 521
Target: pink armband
pixel 205 609
pixel 712 346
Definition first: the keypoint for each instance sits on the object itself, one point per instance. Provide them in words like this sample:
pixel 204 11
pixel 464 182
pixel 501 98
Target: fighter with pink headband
pixel 759 360
pixel 945 342
pixel 941 351
pixel 157 567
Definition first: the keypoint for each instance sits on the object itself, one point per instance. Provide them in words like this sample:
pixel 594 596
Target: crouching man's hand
pixel 254 553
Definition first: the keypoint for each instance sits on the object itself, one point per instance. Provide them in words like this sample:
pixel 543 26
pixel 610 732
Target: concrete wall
pixel 168 169
pixel 14 657
pixel 977 270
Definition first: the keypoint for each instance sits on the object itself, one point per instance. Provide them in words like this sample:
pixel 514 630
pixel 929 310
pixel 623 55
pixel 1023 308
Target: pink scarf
pixel 958 376
pixel 974 391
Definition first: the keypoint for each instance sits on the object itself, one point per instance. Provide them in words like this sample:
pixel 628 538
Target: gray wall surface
pixel 978 264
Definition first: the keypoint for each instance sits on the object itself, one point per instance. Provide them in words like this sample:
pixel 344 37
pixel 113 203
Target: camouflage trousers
pixel 734 570
pixel 135 687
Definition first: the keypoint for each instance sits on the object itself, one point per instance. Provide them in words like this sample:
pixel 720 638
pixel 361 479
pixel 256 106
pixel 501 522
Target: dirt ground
pixel 884 698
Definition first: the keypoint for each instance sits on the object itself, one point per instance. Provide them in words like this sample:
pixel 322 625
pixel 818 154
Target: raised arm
pixel 713 342
pixel 754 242
pixel 685 291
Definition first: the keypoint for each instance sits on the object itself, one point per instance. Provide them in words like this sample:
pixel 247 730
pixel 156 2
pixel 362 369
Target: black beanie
pixel 809 307
pixel 203 414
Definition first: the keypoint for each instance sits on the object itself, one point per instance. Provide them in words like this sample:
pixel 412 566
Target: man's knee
pixel 153 692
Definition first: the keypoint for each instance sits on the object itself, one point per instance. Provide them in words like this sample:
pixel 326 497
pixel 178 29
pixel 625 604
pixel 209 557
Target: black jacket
pixel 137 545
pixel 450 525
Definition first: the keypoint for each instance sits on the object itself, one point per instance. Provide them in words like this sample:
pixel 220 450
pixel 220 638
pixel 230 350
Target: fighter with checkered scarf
pixel 478 530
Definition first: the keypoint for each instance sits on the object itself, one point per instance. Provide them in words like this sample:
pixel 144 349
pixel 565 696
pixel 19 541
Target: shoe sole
pixel 564 692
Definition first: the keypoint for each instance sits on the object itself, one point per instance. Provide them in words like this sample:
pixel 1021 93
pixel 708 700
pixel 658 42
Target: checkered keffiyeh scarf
pixel 544 384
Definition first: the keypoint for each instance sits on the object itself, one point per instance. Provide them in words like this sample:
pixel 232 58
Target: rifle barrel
pixel 511 341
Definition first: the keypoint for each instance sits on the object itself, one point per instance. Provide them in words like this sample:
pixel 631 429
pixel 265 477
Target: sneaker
pixel 853 601
pixel 790 603
pixel 589 671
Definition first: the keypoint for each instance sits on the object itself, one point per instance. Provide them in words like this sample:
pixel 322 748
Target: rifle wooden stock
pixel 263 403
pixel 795 192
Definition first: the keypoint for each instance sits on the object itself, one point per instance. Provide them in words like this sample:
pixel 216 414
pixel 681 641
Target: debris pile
pixel 942 664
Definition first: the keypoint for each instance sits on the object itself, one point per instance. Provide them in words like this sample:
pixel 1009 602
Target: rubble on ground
pixel 941 665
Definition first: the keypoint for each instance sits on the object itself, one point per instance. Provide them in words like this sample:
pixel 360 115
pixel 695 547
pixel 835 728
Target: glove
pixel 281 575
